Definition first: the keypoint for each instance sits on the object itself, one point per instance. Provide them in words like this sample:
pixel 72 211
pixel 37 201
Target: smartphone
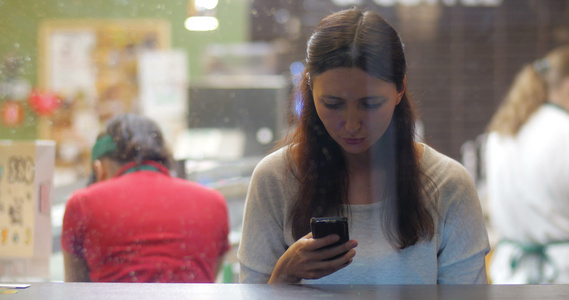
pixel 324 226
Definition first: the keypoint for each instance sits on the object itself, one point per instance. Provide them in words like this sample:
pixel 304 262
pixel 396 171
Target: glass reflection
pixel 462 54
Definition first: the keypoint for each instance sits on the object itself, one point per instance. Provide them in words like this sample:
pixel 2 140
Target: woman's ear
pixel 403 89
pixel 100 172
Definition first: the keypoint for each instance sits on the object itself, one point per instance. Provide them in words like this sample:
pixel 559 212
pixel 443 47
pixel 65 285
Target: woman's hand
pixel 305 260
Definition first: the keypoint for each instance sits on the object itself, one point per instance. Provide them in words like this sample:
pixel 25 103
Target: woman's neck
pixel 564 105
pixel 366 180
pixel 558 96
pixel 363 162
pixel 358 163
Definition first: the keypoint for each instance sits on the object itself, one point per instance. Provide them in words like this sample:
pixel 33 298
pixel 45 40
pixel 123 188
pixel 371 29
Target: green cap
pixel 104 145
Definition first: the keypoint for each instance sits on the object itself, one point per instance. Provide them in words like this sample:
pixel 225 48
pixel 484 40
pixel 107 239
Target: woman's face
pixel 356 109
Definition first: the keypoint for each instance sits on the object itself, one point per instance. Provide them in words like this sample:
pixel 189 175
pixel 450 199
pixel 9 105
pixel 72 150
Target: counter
pixel 141 291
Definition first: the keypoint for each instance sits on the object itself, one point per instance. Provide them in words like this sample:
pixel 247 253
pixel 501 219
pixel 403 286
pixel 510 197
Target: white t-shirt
pixel 454 255
pixel 528 195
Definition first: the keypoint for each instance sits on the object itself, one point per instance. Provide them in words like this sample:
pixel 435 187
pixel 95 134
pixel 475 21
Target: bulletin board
pixel 92 66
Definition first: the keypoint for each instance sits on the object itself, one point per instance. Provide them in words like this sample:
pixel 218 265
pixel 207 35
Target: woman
pixel 137 223
pixel 414 213
pixel 527 167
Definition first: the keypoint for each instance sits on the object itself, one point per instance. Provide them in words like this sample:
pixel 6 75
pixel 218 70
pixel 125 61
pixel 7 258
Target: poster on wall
pixel 163 81
pixel 92 65
pixel 17 164
pixel 26 188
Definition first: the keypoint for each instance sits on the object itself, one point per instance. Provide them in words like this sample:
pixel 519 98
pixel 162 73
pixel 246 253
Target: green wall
pixel 20 21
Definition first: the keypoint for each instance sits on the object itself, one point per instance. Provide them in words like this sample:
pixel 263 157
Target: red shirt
pixel 147 226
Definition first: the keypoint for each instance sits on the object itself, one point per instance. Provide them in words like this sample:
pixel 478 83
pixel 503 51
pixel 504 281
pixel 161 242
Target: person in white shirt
pixel 527 165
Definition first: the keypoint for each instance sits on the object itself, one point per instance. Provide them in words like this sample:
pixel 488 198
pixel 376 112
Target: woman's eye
pixel 331 103
pixel 335 105
pixel 372 104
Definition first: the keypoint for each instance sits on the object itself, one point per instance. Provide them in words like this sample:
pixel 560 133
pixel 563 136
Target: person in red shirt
pixel 137 223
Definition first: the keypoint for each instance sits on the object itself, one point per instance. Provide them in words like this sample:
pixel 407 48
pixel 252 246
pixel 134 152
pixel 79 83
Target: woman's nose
pixel 353 121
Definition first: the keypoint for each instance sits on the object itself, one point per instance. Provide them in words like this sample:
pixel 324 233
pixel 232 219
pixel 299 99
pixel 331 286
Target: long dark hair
pixel 138 139
pixel 362 39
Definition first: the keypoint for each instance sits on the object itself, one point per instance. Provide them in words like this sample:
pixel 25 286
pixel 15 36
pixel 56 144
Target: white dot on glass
pixel 264 135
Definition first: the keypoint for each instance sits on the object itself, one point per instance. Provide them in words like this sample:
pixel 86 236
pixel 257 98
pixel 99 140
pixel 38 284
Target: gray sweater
pixel 455 255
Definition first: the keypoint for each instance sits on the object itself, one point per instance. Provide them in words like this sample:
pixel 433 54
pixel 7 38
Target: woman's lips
pixel 353 141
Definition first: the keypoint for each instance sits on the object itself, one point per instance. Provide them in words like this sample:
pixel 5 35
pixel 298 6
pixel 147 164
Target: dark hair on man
pixel 364 40
pixel 138 139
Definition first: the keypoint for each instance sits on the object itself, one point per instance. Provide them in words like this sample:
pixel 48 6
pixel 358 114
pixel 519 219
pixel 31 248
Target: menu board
pixel 26 179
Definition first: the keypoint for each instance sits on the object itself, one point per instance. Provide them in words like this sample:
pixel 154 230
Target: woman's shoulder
pixel 447 177
pixel 550 124
pixel 274 163
pixel 553 113
pixel 433 162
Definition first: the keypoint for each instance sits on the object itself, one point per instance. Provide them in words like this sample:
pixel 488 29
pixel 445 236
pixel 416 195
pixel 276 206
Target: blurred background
pixel 217 76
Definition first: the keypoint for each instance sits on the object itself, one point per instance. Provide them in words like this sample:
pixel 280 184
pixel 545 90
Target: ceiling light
pixel 201 23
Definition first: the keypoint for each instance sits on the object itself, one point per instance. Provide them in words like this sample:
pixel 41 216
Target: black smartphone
pixel 324 226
